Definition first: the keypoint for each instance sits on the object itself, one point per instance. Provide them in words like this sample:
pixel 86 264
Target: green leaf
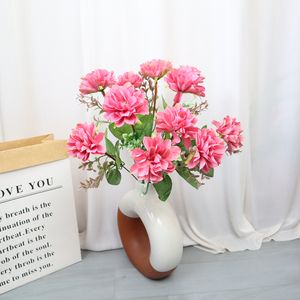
pixel 167 135
pixel 163 188
pixel 165 104
pixel 182 147
pixel 188 176
pixel 144 128
pixel 118 162
pixel 205 126
pixel 110 148
pixel 117 147
pixel 114 151
pixel 117 157
pixel 113 176
pixel 210 173
pixel 119 131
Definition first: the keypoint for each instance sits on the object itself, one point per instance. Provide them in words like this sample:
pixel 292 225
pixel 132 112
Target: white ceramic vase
pixel 150 232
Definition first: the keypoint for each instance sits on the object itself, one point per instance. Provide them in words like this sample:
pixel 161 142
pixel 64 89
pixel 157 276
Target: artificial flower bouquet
pixel 161 138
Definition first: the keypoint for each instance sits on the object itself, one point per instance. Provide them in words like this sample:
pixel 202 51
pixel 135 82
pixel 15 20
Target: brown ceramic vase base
pixel 136 244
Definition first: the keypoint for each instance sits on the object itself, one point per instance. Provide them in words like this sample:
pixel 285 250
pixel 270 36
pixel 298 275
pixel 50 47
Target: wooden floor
pixel 269 274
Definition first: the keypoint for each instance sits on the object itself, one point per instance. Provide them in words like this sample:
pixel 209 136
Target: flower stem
pixel 147 188
pixel 123 165
pixel 155 96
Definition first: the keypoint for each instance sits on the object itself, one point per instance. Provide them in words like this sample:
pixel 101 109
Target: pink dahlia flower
pixel 157 158
pixel 123 103
pixel 209 150
pixel 84 141
pixel 178 121
pixel 96 81
pixel 230 130
pixel 155 68
pixel 185 79
pixel 130 77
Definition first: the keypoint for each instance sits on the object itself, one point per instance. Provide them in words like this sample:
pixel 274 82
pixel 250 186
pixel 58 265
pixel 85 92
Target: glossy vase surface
pixel 150 232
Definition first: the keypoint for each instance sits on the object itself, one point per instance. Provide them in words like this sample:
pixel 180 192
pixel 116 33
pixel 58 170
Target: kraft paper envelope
pixel 19 154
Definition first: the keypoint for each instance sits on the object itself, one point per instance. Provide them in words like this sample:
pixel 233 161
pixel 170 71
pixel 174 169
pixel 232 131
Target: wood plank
pixel 286 292
pixel 271 273
pixel 251 270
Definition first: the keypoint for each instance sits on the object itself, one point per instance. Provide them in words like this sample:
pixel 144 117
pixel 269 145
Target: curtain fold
pixel 247 50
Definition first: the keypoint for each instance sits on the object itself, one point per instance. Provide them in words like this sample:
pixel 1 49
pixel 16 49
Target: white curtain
pixel 249 52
